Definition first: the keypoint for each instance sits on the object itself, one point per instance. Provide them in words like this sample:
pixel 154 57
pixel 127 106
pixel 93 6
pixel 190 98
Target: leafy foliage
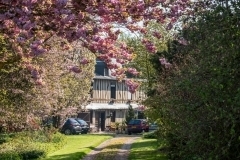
pixel 14 88
pixel 24 101
pixel 31 145
pixel 197 101
pixel 130 114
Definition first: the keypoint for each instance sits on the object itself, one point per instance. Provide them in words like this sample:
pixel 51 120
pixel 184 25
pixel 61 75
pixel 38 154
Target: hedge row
pixel 30 145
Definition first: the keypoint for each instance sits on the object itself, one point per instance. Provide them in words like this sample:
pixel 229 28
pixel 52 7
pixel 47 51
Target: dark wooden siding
pixel 102 92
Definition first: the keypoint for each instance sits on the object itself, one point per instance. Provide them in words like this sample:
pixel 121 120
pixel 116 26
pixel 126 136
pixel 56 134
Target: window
pixel 106 73
pixel 113 90
pixel 113 116
pixel 101 69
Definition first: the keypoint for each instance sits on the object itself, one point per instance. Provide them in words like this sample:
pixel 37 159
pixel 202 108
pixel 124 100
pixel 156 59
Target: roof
pixel 97 106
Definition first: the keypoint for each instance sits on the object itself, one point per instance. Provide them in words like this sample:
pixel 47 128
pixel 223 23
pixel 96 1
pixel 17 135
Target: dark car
pixel 137 126
pixel 71 126
pixel 84 125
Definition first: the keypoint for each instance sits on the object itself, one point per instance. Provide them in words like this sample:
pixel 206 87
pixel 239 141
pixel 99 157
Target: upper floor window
pixel 101 68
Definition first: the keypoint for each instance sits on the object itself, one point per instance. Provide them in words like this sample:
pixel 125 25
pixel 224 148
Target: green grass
pixel 77 147
pixel 146 149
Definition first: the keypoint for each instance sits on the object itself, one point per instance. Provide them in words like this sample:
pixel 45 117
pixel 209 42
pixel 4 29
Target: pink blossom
pixel 112 66
pixel 28 25
pixel 183 41
pixel 74 69
pixel 169 26
pixel 23 22
pixel 149 46
pixel 21 40
pixel 164 63
pixel 84 61
pixel 113 73
pixel 61 3
pixel 157 35
pixel 35 74
pixel 141 107
pixel 133 71
pixel 121 61
pixel 39 81
pixel 132 85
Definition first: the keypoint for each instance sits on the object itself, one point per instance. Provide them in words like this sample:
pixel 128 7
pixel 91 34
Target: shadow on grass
pixel 147 149
pixel 147 155
pixel 97 134
pixel 71 156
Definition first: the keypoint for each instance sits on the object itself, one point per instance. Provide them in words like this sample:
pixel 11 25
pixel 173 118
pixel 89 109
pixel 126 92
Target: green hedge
pixel 31 145
pixel 150 135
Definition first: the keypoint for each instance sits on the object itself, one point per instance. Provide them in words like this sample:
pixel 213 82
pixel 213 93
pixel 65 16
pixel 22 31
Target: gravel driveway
pixel 101 152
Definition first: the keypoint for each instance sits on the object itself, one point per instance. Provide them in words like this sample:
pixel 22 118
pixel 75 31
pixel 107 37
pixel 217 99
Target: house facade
pixel 110 99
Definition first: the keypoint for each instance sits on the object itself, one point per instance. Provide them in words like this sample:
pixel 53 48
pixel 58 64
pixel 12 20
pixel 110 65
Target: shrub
pixel 31 145
pixel 150 135
pixel 31 154
pixel 10 156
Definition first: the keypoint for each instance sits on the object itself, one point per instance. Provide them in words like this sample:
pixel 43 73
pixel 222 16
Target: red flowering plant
pixel 29 24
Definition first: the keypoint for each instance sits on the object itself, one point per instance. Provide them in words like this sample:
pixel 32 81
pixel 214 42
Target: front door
pixel 102 120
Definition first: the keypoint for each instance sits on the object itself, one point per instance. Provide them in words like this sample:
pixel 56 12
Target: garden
pixel 54 146
pixel 184 54
pixel 46 145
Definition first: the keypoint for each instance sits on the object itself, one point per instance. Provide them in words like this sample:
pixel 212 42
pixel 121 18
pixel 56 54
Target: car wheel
pixel 129 133
pixel 146 130
pixel 67 131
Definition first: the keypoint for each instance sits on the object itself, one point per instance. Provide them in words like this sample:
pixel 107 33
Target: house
pixel 110 99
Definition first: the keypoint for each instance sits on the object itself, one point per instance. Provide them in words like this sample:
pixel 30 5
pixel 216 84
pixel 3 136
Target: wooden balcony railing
pixel 96 100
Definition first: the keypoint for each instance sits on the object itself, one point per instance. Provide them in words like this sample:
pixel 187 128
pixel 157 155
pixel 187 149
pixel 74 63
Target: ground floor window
pixel 113 116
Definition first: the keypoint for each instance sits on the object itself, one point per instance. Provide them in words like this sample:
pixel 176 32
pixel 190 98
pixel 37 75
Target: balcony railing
pixel 96 100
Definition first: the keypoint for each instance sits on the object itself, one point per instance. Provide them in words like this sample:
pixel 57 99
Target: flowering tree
pixel 29 24
pixel 62 92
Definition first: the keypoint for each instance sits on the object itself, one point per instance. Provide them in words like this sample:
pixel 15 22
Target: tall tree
pixel 64 92
pixel 14 88
pixel 197 100
pixel 61 92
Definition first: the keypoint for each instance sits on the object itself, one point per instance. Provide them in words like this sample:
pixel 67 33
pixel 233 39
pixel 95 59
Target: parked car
pixel 153 126
pixel 71 126
pixel 137 126
pixel 84 125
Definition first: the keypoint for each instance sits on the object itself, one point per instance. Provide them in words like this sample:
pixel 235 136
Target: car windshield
pixel 134 122
pixel 82 122
pixel 74 122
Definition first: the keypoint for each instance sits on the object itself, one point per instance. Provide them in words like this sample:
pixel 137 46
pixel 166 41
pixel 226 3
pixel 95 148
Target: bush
pixel 31 145
pixel 150 135
pixel 4 138
pixel 10 156
pixel 31 154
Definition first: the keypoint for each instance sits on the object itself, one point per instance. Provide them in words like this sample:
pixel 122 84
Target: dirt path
pixel 116 148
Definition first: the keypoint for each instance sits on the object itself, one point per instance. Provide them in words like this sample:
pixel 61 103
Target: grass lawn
pixel 146 149
pixel 77 147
